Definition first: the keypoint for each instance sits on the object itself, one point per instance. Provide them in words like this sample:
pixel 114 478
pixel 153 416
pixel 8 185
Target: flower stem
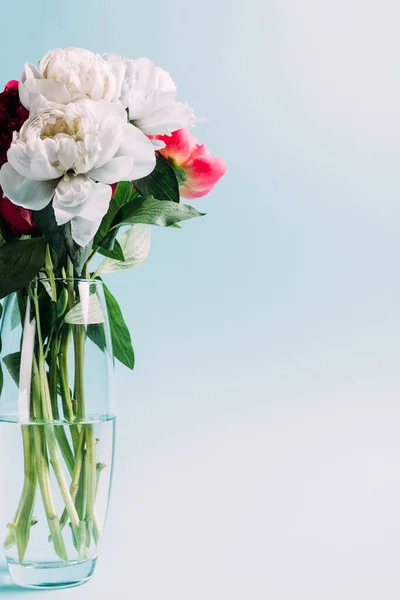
pixel 50 435
pixel 91 479
pixel 20 530
pixel 39 439
pixel 76 473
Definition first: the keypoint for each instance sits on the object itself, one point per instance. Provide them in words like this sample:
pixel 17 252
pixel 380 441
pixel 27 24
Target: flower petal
pixel 166 118
pixel 32 163
pixel 30 72
pixel 80 196
pixel 139 146
pixel 113 120
pixel 24 192
pixel 85 226
pixel 203 171
pixel 116 169
pixel 157 144
pixel 179 145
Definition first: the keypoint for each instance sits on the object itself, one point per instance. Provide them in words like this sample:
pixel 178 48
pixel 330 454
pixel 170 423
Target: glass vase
pixel 57 430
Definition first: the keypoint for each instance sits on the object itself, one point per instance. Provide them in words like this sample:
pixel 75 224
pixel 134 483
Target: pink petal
pixel 178 146
pixel 203 171
pixel 11 85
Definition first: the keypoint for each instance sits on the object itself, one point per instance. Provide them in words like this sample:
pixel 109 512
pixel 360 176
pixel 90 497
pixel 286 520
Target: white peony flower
pixel 65 75
pixel 70 153
pixel 149 94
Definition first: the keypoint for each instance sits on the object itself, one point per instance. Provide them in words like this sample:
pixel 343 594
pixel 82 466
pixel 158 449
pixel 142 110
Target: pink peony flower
pixel 198 171
pixel 12 85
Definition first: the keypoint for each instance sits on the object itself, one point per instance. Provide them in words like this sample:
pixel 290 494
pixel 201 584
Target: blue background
pixel 258 446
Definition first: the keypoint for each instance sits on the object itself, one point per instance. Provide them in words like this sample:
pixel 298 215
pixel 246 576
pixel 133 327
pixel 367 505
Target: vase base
pixel 51 575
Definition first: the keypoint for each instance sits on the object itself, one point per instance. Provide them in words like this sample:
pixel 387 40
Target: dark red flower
pixel 12 117
pixel 18 219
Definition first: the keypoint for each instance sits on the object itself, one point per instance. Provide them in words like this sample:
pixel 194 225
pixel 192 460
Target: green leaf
pixel 13 362
pixel 87 313
pixel 78 254
pixel 105 225
pixel 123 192
pixel 154 212
pixel 6 233
pixel 20 261
pixel 135 245
pixel 162 183
pixel 95 333
pixel 115 254
pixel 175 226
pixel 54 234
pixel 120 336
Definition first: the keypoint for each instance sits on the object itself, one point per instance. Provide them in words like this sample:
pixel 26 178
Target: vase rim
pixel 66 279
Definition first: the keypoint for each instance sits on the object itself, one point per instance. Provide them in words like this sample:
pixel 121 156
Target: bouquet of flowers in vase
pixel 93 151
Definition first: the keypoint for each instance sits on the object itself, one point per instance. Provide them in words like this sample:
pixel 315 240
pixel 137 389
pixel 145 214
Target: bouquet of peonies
pixel 93 150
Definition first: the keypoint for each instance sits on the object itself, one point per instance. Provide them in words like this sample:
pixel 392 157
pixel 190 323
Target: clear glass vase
pixel 57 429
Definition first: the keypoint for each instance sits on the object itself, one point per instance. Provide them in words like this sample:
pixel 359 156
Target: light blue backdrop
pixel 258 448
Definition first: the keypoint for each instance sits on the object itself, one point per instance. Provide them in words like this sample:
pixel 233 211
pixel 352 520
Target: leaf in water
pixel 20 261
pixel 86 312
pixel 162 183
pixel 13 362
pixel 135 245
pixel 96 333
pixel 46 284
pixel 15 314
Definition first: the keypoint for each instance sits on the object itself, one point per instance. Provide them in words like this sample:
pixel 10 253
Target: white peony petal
pixel 53 91
pixel 139 146
pixel 80 197
pixel 165 119
pixel 149 94
pixel 113 120
pixel 32 163
pixel 29 73
pixel 24 192
pixel 116 169
pixel 83 202
pixel 83 231
pixel 158 144
pixel 65 75
pixel 62 216
pixel 97 202
pixel 67 153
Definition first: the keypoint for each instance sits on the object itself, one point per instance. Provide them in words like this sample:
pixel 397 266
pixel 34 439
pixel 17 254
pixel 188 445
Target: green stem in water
pixel 49 429
pixel 90 458
pixel 20 530
pixel 62 439
pixel 75 474
pixel 91 479
pixel 39 442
